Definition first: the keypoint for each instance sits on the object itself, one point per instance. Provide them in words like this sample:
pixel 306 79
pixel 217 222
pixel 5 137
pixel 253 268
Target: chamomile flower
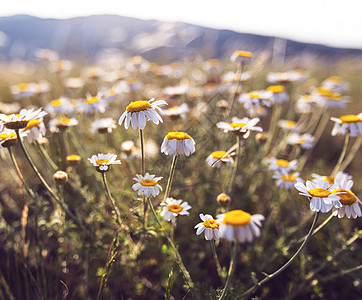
pixel 35 130
pixel 61 106
pixel 241 56
pixel 74 83
pixel 93 104
pixel 255 99
pixel 287 181
pixel 350 202
pixel 305 104
pixel 178 143
pixel 208 225
pixel 23 90
pixel 320 192
pixel 61 124
pixel 103 125
pixel 282 165
pixel 129 150
pixel 351 124
pixel 278 94
pixel 239 126
pixel 177 112
pixel 8 137
pixel 138 112
pixel 147 185
pixel 224 159
pixel 239 225
pixel 288 125
pixel 18 121
pixel 305 141
pixel 336 84
pixel 102 162
pixel 172 208
pixel 340 176
pixel 330 99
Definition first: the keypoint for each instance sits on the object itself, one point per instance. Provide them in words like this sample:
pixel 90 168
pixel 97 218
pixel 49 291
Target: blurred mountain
pixel 86 37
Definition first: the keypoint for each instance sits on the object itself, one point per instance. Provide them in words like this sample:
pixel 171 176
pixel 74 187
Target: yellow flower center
pixel 177 136
pixel 73 157
pixel 289 124
pixel 243 54
pixel 289 177
pixel 5 136
pixel 237 218
pixel 237 125
pixel 64 120
pixel 211 224
pixel 282 163
pixel 92 100
pixel 335 79
pixel 350 119
pixel 301 140
pixel 254 95
pixel 329 179
pixel 23 87
pixel 102 161
pixel 219 154
pixel 175 208
pixel 32 123
pixel 346 197
pixel 131 80
pixel 319 193
pixel 275 88
pixel 324 92
pixel 56 102
pixel 138 106
pixel 148 182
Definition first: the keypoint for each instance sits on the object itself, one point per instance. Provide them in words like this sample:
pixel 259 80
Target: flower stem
pixel 341 156
pixel 282 268
pixel 48 188
pixel 351 153
pixel 235 169
pixel 230 272
pixel 234 88
pixel 170 178
pixel 143 166
pixel 180 264
pixel 217 262
pixel 111 199
pixel 46 156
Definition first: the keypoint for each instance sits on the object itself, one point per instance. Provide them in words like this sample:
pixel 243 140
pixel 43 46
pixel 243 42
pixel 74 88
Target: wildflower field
pixel 201 179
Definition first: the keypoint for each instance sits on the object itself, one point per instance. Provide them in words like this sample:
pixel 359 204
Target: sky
pixel 330 22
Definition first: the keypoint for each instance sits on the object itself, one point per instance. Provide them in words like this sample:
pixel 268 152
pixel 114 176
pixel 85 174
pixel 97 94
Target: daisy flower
pixel 173 91
pixel 102 162
pixel 321 195
pixel 255 99
pixel 73 159
pixel 305 104
pixel 330 99
pixel 103 125
pixel 282 165
pixel 60 177
pixel 223 199
pixel 18 121
pixel 305 141
pixel 278 94
pixel 177 112
pixel 178 143
pixel 23 90
pixel 351 124
pixel 224 159
pixel 244 125
pixel 137 113
pixel 239 225
pixel 208 225
pixel 35 130
pixel 93 104
pixel 336 84
pixel 61 106
pixel 129 150
pixel 241 56
pixel 147 185
pixel 332 180
pixel 8 137
pixel 172 208
pixel 350 202
pixel 74 83
pixel 61 124
pixel 287 181
pixel 288 125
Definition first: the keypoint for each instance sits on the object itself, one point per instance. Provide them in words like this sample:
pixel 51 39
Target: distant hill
pixel 86 37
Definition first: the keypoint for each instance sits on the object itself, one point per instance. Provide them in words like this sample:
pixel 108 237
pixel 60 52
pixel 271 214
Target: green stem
pixel 111 199
pixel 46 156
pixel 170 177
pixel 239 71
pixel 351 153
pixel 51 192
pixel 216 259
pixel 230 272
pixel 236 163
pixel 180 264
pixel 341 156
pixel 282 268
pixel 143 166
